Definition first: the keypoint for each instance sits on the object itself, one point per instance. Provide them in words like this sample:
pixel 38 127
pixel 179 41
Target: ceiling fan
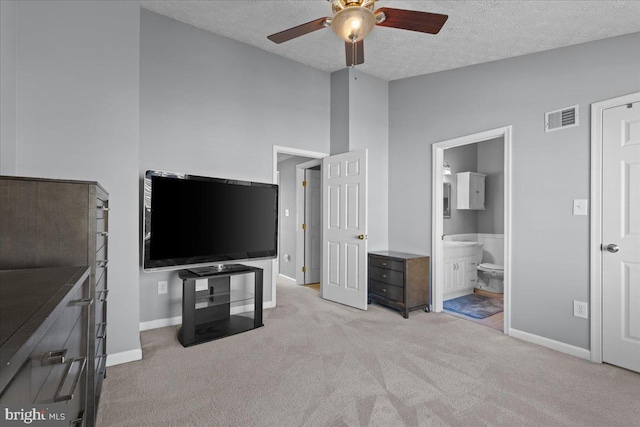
pixel 353 19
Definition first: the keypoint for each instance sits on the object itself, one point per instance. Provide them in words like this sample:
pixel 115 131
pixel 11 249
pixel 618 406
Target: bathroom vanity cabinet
pixel 460 269
pixel 471 191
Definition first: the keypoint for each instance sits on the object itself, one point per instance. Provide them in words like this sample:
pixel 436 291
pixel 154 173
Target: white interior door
pixel 344 232
pixel 313 227
pixel 621 236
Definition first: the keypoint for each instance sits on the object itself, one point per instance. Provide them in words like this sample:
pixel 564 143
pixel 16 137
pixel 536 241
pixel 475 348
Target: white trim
pixel 268 304
pixel 437 250
pixel 572 350
pixel 124 357
pixel 299 221
pixel 301 211
pixel 296 152
pixel 160 323
pixel 288 279
pixel 595 226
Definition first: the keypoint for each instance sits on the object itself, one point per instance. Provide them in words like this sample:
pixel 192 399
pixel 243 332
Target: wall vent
pixel 561 119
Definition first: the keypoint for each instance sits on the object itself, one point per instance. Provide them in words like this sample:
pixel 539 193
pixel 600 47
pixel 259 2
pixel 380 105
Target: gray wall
pixel 360 120
pixel 8 61
pixel 460 159
pixel 340 112
pixel 485 157
pixel 213 106
pixel 78 118
pixel 369 128
pixel 491 163
pixel 550 264
pixel 288 229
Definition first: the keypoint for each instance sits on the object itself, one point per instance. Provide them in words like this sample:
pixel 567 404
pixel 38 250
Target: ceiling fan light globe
pixel 353 23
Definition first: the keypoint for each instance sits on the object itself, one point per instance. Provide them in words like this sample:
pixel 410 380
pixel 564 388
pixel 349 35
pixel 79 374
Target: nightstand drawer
pixel 391 292
pixel 392 277
pixel 375 261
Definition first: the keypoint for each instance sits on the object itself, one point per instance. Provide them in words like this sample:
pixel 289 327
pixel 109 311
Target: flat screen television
pixel 194 221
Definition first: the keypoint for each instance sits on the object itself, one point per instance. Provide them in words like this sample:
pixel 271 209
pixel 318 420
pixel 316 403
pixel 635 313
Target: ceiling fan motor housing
pixel 353 22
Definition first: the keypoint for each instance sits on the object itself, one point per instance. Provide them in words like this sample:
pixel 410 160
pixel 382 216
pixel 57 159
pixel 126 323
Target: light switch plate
pixel 580 206
pixel 202 285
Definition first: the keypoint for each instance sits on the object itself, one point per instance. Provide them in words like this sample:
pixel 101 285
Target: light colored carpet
pixel 316 363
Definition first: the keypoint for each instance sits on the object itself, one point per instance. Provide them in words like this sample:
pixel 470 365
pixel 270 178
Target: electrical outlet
pixel 162 287
pixel 581 309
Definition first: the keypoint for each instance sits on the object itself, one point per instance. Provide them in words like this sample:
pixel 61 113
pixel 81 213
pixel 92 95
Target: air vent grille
pixel 561 119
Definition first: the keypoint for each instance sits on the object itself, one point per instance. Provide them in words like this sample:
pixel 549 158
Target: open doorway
pixel 471 227
pixel 292 167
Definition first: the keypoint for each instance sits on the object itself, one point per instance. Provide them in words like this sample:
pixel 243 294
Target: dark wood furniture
pixel 44 347
pixel 210 313
pixel 57 223
pixel 399 280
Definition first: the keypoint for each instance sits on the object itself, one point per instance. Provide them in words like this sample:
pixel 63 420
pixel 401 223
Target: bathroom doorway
pixel 471 227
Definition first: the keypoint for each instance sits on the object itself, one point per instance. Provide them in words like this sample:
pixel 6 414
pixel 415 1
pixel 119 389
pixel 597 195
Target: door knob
pixel 612 248
pixel 362 237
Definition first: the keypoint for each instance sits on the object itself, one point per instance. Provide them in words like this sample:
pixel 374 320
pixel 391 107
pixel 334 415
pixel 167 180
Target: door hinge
pixel 304 183
pixel 304 226
pixel 304 269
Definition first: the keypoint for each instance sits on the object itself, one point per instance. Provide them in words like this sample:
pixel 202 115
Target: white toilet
pixel 493 275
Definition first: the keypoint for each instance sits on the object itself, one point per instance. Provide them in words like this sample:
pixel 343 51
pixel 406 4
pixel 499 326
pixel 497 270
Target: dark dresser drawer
pixel 394 293
pixel 392 277
pixel 376 261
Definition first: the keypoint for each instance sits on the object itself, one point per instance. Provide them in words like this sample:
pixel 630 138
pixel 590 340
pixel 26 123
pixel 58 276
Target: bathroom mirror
pixel 446 200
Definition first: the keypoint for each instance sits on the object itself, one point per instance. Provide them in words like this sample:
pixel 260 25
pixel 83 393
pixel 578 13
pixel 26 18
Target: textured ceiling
pixel 476 31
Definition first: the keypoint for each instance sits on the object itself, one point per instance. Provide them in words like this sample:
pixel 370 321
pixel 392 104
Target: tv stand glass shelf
pixel 219 302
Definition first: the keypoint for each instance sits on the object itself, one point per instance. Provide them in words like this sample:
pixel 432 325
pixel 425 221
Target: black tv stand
pixel 219 309
pixel 218 268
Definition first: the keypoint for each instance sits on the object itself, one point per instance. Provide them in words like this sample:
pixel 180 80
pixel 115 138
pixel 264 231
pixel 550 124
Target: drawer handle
pixel 67 397
pixel 102 263
pixel 384 276
pixel 82 302
pixel 384 263
pixel 104 330
pixel 102 208
pixel 104 296
pixel 103 233
pixel 54 357
pixel 384 290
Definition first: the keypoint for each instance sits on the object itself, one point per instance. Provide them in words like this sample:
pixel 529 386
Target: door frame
pixel 437 226
pixel 300 215
pixel 278 149
pixel 595 226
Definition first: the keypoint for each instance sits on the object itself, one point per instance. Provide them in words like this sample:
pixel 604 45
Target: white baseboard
pixel 288 279
pixel 124 357
pixel 552 344
pixel 160 323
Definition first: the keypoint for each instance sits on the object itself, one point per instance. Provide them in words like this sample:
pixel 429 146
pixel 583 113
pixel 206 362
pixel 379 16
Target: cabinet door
pixel 449 276
pixel 477 192
pixel 458 274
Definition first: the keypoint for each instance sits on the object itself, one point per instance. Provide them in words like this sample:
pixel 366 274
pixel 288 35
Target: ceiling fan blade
pixel 413 20
pixel 355 53
pixel 298 31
